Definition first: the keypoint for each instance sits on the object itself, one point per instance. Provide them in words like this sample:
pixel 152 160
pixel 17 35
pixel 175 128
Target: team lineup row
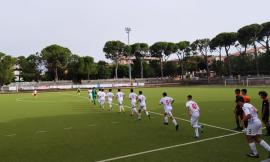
pixel 249 116
pixel 166 101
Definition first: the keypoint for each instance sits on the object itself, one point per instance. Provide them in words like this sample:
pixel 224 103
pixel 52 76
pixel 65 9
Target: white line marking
pixel 69 128
pixel 92 125
pixel 19 99
pixel 213 126
pixel 41 132
pixel 10 135
pixel 168 147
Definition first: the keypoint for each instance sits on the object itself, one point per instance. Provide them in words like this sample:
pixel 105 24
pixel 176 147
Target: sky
pixel 84 26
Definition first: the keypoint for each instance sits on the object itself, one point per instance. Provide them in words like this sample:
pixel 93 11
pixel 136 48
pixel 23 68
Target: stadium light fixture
pixel 128 30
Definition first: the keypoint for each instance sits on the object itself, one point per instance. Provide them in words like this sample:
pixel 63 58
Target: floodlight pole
pixel 128 30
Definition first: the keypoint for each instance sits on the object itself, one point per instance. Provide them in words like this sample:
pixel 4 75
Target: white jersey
pixel 110 96
pixel 193 107
pixel 102 96
pixel 133 97
pixel 251 110
pixel 142 100
pixel 120 96
pixel 167 103
pixel 98 93
pixel 90 92
pixel 35 92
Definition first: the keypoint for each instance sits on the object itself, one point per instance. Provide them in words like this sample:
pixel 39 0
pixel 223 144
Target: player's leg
pixel 250 135
pixel 173 120
pixel 237 121
pixel 265 120
pixel 253 150
pixel 94 98
pixel 262 143
pixel 91 98
pixel 132 107
pixel 120 108
pixel 166 119
pixel 110 105
pixel 140 112
pixel 146 112
pixel 102 103
pixel 258 131
pixel 135 111
pixel 194 124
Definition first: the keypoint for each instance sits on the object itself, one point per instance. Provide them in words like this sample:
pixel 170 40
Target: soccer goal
pixel 262 81
pixel 232 82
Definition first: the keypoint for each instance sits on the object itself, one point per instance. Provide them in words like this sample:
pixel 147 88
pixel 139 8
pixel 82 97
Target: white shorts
pixel 254 129
pixel 133 104
pixel 142 107
pixel 90 96
pixel 134 110
pixel 102 102
pixel 120 102
pixel 194 120
pixel 168 112
pixel 110 102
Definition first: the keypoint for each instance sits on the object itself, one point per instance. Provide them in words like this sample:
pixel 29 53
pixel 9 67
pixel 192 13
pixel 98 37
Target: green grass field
pixel 61 126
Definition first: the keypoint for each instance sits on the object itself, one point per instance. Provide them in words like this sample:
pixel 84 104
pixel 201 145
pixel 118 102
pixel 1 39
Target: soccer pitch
pixel 61 126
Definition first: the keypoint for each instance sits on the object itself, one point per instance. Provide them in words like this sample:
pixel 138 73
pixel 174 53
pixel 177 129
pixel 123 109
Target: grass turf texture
pixel 61 126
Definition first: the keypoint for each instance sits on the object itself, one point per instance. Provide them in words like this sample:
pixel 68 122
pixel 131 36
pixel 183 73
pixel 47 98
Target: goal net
pixel 231 82
pixel 263 81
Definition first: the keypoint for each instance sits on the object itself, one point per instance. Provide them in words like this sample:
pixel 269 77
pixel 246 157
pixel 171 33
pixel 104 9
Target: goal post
pixel 232 82
pixel 260 81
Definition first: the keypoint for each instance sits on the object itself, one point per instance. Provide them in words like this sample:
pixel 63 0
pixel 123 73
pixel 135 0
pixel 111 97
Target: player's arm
pixel 188 110
pixel 172 101
pixel 160 102
pixel 246 115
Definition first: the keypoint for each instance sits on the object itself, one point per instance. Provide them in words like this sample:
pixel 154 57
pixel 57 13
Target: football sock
pixel 265 145
pixel 196 132
pixel 146 112
pixel 174 122
pixel 253 148
pixel 165 119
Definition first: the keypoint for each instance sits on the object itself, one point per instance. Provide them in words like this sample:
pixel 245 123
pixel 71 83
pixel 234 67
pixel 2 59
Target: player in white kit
pixel 254 128
pixel 142 102
pixel 110 96
pixel 133 99
pixel 98 94
pixel 102 96
pixel 194 114
pixel 90 95
pixel 120 98
pixel 167 104
pixel 35 93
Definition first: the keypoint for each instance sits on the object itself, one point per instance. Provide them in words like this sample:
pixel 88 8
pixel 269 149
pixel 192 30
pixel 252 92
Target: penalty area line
pixel 168 147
